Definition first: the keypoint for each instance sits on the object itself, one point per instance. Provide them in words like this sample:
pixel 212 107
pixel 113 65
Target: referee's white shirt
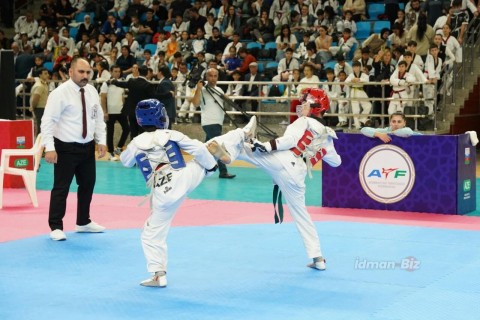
pixel 62 118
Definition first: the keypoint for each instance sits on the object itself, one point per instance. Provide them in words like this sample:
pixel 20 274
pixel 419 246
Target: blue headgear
pixel 152 112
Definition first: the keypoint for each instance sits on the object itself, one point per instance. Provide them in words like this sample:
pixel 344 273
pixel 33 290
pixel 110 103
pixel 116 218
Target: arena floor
pixel 228 260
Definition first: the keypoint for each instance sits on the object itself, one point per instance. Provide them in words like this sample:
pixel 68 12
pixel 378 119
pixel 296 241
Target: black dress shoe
pixel 227 176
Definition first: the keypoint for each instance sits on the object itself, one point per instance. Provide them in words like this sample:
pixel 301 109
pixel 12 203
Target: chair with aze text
pixel 29 175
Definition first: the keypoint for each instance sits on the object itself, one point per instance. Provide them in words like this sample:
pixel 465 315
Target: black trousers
pixel 212 131
pixel 112 118
pixel 38 118
pixel 135 129
pixel 74 159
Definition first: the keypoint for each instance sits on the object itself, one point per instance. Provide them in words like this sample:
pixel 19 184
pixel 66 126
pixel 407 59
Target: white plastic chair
pixel 29 176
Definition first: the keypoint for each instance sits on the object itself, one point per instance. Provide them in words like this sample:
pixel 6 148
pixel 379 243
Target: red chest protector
pixel 303 143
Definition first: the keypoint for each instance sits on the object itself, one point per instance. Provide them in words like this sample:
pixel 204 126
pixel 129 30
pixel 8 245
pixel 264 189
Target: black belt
pixel 77 144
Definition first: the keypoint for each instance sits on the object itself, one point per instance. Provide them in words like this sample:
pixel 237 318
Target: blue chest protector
pixel 174 155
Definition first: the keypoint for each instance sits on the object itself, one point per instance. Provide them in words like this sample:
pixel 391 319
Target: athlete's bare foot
pixel 218 152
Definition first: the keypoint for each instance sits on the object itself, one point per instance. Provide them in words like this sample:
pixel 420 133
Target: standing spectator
pixel 253 90
pixel 400 81
pixel 213 112
pixel 112 99
pixel 69 137
pixel 138 89
pixel 458 20
pixel 38 97
pixel 423 34
pixel 165 91
pixel 383 69
pixel 357 78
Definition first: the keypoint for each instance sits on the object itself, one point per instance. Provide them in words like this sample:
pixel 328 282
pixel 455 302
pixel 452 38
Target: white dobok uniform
pixel 288 168
pixel 169 186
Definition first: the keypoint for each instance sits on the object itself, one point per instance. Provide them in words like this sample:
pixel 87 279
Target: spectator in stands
pixel 162 43
pixel 433 68
pixel 149 61
pixel 416 59
pixel 347 22
pixel 177 7
pixel 444 52
pixel 457 19
pixel 313 60
pixel 25 45
pixel 64 11
pixel 285 40
pixel 400 81
pixel 172 48
pixel 247 58
pixel 280 12
pixel 232 61
pixel 398 38
pixel 332 93
pixel 185 45
pixel 47 13
pixel 230 23
pixel 179 26
pixel 383 69
pixel 102 73
pixel 309 79
pixel 391 11
pixel 223 11
pixel 207 9
pixel 115 43
pixel 323 43
pixel 112 25
pixel 120 8
pixel 134 27
pixel 235 43
pixel 423 34
pixel 345 44
pixel 401 19
pixel 78 5
pixel 377 41
pixel 332 21
pixel 62 62
pixel 412 12
pixel 25 24
pixel 130 41
pixel 147 29
pixel 126 61
pixel 196 22
pixel 452 43
pixel 304 23
pixel 83 45
pixel 288 63
pixel 209 25
pixel 357 78
pixel 67 41
pixel 253 90
pixel 397 128
pixel 136 8
pixel 40 35
pixel 103 47
pixel 112 57
pixel 160 13
pixel 199 44
pixel 365 59
pixel 87 27
pixel 342 65
pixel 160 60
pixel 217 42
pixel 263 28
pixel 357 7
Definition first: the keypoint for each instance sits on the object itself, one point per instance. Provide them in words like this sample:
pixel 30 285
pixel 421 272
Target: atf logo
pixel 387 174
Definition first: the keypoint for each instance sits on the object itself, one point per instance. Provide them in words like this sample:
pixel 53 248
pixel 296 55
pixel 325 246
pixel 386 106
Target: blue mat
pixel 247 272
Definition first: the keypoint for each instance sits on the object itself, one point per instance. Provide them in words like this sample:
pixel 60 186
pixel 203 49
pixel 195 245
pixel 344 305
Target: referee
pixel 71 124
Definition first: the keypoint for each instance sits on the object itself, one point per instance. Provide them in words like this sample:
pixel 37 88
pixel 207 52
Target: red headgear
pixel 318 100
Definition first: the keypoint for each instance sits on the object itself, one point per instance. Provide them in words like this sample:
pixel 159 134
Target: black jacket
pixel 138 89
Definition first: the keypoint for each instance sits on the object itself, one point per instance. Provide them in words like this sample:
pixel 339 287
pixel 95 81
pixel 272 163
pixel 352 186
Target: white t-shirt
pixel 210 104
pixel 114 97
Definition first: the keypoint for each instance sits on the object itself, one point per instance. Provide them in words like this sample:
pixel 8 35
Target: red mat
pixel 19 219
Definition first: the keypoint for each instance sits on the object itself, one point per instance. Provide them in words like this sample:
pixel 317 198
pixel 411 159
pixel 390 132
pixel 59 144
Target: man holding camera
pixel 210 100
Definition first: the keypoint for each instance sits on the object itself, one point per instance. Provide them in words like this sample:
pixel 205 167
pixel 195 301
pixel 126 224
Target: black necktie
pixel 84 114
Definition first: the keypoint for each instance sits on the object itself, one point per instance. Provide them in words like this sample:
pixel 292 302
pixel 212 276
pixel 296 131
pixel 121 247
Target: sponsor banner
pixel 419 173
